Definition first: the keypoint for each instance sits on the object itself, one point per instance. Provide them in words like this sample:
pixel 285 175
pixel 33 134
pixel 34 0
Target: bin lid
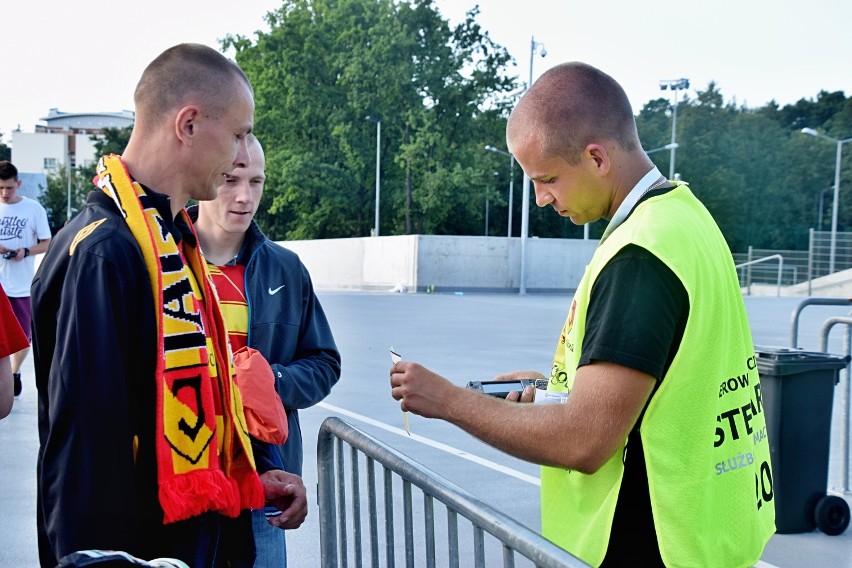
pixel 788 360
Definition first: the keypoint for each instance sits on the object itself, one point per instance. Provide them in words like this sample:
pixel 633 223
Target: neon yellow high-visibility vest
pixel 704 431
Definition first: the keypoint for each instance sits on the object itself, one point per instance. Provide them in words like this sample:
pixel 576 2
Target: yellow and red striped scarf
pixel 204 456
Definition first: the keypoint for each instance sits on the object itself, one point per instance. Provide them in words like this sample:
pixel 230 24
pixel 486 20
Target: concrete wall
pixel 420 263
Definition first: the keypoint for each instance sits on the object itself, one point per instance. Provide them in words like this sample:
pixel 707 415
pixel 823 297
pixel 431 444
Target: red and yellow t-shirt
pixel 230 286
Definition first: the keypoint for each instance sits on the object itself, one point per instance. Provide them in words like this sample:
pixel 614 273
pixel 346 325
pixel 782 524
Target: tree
pixel 55 198
pixel 5 151
pixel 441 94
pixel 759 177
pixel 109 141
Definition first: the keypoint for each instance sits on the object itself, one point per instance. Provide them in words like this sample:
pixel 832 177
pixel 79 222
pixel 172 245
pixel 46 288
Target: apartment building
pixel 64 138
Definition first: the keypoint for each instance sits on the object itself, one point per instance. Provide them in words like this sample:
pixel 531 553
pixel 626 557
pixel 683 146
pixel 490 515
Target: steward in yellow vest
pixel 658 454
pixel 703 433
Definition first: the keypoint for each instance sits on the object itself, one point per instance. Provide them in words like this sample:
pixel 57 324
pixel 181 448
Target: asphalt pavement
pixel 464 337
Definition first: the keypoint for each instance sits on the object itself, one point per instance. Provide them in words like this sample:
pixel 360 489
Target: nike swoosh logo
pixel 273 291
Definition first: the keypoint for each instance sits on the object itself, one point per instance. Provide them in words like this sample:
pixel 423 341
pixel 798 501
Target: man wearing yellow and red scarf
pixel 143 444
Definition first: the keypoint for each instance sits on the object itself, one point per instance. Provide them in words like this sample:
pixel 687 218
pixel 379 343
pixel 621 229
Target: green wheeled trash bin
pixel 797 388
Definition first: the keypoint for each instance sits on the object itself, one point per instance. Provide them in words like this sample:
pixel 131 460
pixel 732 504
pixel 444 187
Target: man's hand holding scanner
pixel 494 420
pixel 526 382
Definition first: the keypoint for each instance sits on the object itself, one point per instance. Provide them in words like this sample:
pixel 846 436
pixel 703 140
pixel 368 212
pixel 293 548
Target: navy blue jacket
pixel 288 326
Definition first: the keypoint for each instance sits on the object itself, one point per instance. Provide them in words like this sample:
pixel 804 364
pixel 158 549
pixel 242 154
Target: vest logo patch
pixel 571 314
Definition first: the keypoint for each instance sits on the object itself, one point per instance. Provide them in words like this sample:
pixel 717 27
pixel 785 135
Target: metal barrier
pixel 824 333
pixel 794 318
pixel 750 263
pixel 338 543
pixel 826 329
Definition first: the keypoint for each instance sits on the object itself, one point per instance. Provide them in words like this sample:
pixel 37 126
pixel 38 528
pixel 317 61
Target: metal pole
pixel 378 172
pixel 68 173
pixel 486 212
pixel 511 156
pixel 525 221
pixel 810 261
pixel 819 215
pixel 675 85
pixel 840 143
pixel 834 208
pixel 525 206
pixel 674 143
pixel 847 417
pixel 511 191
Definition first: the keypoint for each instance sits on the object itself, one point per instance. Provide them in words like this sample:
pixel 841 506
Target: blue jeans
pixel 269 542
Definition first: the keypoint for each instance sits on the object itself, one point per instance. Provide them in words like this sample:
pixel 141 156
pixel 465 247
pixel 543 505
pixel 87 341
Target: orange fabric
pixel 265 415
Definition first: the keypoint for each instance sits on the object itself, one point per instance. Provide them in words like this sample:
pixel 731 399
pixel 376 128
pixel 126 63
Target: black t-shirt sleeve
pixel 637 313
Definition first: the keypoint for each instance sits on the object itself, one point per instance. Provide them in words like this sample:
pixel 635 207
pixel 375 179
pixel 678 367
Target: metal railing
pixel 826 329
pixel 799 265
pixel 824 334
pixel 750 263
pixel 797 312
pixel 341 533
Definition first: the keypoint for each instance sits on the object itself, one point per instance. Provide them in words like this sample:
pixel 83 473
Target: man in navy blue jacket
pixel 270 306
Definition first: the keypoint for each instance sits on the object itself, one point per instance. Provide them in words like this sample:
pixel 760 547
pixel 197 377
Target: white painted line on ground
pixel 437 445
pixel 762 564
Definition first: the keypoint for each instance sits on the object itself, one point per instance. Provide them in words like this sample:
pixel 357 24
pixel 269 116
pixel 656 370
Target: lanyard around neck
pixel 649 181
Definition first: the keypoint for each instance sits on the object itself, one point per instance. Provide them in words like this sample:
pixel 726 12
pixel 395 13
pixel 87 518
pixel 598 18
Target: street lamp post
pixel 820 206
pixel 840 143
pixel 511 181
pixel 675 85
pixel 378 168
pixel 487 203
pixel 68 156
pixel 525 206
pixel 671 146
pixel 68 179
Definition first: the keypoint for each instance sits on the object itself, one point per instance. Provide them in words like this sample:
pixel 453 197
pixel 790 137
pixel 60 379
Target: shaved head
pixel 570 106
pixel 255 150
pixel 187 72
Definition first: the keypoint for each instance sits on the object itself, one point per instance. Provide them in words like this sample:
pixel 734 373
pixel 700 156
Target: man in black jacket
pixel 98 335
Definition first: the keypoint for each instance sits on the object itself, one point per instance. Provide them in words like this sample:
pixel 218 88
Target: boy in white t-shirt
pixel 24 232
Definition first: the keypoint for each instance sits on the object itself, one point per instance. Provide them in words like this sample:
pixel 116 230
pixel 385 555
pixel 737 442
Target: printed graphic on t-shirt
pixel 12 228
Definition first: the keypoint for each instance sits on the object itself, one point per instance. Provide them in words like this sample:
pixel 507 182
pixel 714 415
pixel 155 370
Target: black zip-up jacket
pixel 94 350
pixel 288 326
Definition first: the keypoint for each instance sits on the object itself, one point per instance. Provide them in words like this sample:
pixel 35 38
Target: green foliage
pixel 757 174
pixel 443 92
pixel 110 141
pixel 55 197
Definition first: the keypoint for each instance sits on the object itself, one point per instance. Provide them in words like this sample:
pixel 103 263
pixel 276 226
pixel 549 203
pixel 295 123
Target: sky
pixel 87 55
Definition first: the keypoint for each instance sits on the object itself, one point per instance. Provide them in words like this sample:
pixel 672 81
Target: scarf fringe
pixel 252 493
pixel 193 493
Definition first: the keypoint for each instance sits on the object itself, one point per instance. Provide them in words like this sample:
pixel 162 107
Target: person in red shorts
pixel 12 340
